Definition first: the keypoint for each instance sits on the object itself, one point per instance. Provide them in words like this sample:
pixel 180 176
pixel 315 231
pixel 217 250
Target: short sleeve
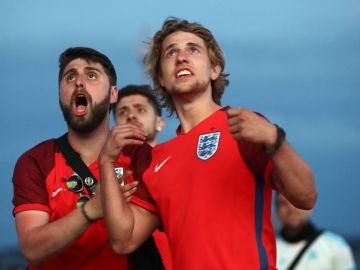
pixel 29 178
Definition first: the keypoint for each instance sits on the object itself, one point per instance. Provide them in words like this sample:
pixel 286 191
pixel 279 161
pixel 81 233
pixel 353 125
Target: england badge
pixel 119 171
pixel 207 145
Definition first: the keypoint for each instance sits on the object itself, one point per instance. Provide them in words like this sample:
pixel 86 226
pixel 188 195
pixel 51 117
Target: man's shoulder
pixel 42 153
pixel 172 142
pixel 334 238
pixel 41 148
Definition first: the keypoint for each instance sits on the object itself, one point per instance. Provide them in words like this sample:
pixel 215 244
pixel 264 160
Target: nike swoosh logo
pixel 158 166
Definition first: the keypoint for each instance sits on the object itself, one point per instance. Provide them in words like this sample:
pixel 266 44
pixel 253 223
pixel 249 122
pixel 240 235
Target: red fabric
pixel 39 185
pixel 163 245
pixel 215 210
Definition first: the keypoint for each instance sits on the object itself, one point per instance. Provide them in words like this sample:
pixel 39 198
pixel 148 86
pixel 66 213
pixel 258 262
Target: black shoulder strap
pixel 302 251
pixel 77 164
pixel 147 256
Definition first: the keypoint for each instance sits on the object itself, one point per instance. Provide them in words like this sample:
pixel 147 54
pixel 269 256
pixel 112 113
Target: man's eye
pixel 194 50
pixel 92 76
pixel 70 78
pixel 170 53
pixel 121 113
pixel 141 110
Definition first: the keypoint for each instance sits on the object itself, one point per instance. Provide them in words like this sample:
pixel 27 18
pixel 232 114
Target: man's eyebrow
pixel 189 44
pixel 123 107
pixel 193 44
pixel 93 68
pixel 71 70
pixel 136 105
pixel 139 105
pixel 74 70
pixel 170 46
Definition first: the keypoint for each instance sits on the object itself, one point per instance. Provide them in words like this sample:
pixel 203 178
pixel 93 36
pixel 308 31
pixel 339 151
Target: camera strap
pixel 147 256
pixel 302 251
pixel 73 159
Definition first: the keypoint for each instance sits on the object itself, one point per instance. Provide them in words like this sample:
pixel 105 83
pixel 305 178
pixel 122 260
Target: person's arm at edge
pixel 292 176
pixel 40 239
pixel 128 225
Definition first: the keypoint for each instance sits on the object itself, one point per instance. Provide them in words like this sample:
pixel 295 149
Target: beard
pixel 93 118
pixel 151 133
pixel 193 88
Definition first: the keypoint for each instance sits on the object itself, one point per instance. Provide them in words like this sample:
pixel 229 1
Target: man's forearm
pixel 39 243
pixel 293 177
pixel 117 213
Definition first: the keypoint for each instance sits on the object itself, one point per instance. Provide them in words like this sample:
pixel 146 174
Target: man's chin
pixel 82 124
pixel 82 128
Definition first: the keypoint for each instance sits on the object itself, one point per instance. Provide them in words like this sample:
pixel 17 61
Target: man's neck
pixel 88 145
pixel 191 114
pixel 193 107
pixel 303 232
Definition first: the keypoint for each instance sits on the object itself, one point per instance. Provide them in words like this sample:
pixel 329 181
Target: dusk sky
pixel 296 62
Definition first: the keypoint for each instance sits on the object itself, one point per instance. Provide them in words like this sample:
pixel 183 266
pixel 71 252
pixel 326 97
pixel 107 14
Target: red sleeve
pixel 140 161
pixel 29 178
pixel 255 158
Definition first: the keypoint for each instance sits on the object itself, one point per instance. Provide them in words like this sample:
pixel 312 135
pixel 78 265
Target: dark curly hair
pixel 90 55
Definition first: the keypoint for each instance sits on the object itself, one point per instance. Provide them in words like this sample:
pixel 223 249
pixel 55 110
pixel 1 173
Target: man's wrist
pixel 85 214
pixel 280 138
pixel 103 159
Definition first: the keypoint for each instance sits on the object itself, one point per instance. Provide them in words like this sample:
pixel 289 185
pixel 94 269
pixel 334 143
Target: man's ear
pixel 160 123
pixel 215 72
pixel 113 94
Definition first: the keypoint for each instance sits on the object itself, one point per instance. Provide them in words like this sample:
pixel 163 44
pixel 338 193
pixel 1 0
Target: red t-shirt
pixel 162 244
pixel 214 197
pixel 39 184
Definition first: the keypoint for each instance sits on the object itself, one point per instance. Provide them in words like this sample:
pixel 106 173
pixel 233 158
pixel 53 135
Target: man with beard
pixel 58 220
pixel 138 104
pixel 212 184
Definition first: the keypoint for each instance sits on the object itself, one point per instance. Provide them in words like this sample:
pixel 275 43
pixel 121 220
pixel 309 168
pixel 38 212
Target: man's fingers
pixel 233 112
pixel 234 129
pixel 129 131
pixel 129 189
pixel 130 186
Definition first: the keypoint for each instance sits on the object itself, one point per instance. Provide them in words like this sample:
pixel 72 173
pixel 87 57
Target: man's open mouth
pixel 80 104
pixel 183 73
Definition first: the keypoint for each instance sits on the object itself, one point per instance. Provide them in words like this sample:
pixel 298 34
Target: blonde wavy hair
pixel 153 57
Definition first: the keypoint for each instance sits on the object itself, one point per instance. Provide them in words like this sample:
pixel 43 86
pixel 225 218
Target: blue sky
pixel 297 62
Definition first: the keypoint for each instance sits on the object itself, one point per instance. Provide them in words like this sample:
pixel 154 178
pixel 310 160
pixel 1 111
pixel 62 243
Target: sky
pixel 296 62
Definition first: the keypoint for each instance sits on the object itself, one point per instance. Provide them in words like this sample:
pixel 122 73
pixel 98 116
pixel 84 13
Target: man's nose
pixel 131 116
pixel 182 57
pixel 80 82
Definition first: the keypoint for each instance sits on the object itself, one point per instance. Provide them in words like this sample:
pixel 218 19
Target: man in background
pixel 325 249
pixel 137 104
